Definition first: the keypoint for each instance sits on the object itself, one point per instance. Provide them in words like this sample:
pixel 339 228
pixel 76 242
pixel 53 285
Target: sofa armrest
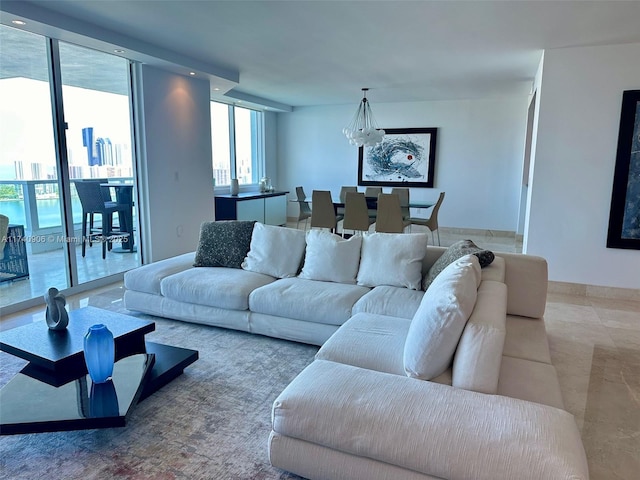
pixel 427 427
pixel 526 277
pixel 147 278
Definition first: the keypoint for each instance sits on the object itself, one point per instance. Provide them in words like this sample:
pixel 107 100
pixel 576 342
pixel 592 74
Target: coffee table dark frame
pixel 57 357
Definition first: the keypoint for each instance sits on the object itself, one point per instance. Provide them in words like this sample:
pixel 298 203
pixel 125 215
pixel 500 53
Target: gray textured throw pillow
pixel 223 244
pixel 453 253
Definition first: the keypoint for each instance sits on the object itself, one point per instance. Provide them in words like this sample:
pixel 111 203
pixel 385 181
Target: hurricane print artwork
pixel 624 216
pixel 396 160
pixel 631 219
pixel 405 157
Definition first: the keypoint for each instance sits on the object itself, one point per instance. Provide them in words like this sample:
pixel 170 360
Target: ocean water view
pixel 48 211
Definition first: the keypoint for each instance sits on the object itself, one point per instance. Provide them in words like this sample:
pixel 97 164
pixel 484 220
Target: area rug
pixel 212 422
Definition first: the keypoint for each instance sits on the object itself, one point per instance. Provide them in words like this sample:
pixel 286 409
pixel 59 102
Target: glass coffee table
pixel 54 393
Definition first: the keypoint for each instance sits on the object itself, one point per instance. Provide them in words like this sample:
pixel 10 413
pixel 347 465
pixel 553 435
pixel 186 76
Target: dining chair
pixel 356 215
pixel 300 194
pixel 432 222
pixel 372 192
pixel 106 193
pixel 389 217
pixel 305 208
pixel 343 193
pixel 343 198
pixel 92 201
pixel 403 193
pixel 323 214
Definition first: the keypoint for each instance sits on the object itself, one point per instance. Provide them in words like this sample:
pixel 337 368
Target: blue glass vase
pixel 99 353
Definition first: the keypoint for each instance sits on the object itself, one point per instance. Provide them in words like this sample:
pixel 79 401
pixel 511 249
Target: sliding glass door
pixel 33 258
pixel 95 95
pixel 89 91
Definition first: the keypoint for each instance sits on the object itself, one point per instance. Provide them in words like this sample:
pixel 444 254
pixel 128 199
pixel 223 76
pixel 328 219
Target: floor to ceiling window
pixel 93 99
pixel 95 95
pixel 237 144
pixel 29 193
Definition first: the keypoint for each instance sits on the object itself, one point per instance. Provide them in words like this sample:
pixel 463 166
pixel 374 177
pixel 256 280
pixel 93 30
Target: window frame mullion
pixel 232 141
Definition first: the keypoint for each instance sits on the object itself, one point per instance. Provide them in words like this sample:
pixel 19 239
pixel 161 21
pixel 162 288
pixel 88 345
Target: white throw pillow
pixel 331 258
pixel 275 251
pixel 392 259
pixel 440 319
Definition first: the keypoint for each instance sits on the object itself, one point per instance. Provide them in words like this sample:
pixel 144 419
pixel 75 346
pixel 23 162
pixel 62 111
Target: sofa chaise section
pixel 416 429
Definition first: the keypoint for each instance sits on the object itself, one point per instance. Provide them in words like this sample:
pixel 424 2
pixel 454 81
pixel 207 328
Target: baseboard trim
pixel 595 291
pixel 478 232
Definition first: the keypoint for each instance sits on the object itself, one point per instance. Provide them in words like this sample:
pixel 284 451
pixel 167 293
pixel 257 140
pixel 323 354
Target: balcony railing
pixel 36 205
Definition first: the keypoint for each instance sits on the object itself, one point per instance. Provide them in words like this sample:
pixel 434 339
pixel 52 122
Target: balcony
pixel 36 205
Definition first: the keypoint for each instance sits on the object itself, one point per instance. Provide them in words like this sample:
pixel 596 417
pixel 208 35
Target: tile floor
pixel 48 270
pixel 595 347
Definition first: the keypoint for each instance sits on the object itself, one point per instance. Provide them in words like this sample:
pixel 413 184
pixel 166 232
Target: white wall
pixel 479 154
pixel 577 131
pixel 177 173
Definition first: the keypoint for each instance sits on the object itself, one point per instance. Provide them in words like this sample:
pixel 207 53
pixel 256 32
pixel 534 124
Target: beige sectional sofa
pixel 378 402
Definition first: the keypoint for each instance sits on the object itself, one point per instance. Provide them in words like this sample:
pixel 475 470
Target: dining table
pixel 372 203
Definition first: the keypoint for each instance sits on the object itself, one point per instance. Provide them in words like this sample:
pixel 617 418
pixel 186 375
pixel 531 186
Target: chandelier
pixel 363 129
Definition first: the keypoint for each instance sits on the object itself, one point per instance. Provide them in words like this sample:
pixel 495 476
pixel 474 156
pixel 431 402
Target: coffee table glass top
pixel 29 405
pixel 57 349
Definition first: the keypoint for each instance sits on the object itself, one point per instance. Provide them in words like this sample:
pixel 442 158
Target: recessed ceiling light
pixel 216 89
pixel 118 50
pixel 192 73
pixel 18 22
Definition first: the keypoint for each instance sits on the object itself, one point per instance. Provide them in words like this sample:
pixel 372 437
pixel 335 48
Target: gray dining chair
pixel 389 219
pixel 343 199
pixel 323 214
pixel 432 222
pixel 356 215
pixel 403 194
pixel 305 209
pixel 372 192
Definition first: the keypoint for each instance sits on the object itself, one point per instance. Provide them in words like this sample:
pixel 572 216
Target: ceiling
pixel 301 53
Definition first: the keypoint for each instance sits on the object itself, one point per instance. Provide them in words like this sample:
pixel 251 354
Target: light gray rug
pixel 212 422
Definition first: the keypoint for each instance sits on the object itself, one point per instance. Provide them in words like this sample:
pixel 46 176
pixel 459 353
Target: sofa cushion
pixel 275 251
pixel 454 252
pixel 495 271
pixel 386 300
pixel 370 341
pixel 147 278
pixel 309 300
pixel 532 381
pixel 214 286
pixel 437 325
pixel 223 244
pixel 527 339
pixel 392 259
pixel 476 365
pixel 331 258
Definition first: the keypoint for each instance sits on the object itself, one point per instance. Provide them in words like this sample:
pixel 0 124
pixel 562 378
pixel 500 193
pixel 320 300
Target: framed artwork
pixel 624 218
pixel 406 157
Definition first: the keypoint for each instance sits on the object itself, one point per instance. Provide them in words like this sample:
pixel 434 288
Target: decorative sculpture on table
pixel 56 315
